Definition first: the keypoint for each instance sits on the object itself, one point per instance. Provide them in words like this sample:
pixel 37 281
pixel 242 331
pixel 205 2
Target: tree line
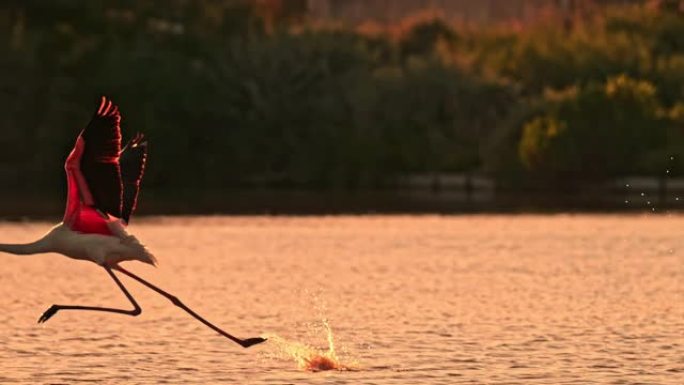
pixel 231 96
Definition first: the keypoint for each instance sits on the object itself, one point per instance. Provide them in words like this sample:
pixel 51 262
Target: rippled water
pixel 434 300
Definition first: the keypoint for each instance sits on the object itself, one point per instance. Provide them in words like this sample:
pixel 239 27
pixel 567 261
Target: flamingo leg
pixel 244 343
pixel 134 312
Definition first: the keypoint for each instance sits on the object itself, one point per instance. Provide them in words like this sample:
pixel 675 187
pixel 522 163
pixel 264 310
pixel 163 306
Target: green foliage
pixel 232 94
pixel 424 37
pixel 542 139
pixel 595 132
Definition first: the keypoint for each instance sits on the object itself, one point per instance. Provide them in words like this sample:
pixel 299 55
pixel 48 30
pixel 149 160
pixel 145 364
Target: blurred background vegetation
pixel 238 94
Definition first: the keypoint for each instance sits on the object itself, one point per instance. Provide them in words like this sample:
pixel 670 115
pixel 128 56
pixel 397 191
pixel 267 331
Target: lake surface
pixel 495 299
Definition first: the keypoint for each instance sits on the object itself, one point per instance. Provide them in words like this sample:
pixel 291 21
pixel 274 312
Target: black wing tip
pixel 107 108
pixel 139 137
pixel 133 159
pixel 104 98
pixel 137 141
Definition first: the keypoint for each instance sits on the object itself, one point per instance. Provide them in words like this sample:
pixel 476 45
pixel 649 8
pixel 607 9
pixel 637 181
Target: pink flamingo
pixel 103 183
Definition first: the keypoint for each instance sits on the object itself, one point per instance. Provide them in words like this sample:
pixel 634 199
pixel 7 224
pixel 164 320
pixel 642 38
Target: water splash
pixel 308 357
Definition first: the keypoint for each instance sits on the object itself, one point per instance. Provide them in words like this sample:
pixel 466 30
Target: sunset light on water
pixel 342 192
pixel 308 357
pixel 498 299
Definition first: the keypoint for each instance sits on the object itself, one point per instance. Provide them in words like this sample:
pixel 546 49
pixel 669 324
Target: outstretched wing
pixel 132 164
pixel 100 159
pixel 93 174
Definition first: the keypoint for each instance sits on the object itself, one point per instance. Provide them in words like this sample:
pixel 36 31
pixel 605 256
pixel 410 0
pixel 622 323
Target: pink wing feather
pixel 81 214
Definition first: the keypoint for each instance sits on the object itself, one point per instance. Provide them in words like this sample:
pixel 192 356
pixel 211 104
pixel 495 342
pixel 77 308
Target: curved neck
pixel 25 248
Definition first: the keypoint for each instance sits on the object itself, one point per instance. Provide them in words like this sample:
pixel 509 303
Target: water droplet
pixel 642 194
pixel 671 251
pixel 627 185
pixel 627 202
pixel 653 209
pixel 648 202
pixel 672 158
pixel 667 171
pixel 307 357
pixel 677 198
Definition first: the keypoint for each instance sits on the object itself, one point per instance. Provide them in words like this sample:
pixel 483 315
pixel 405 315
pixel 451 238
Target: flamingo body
pixel 102 192
pixel 93 227
pixel 105 250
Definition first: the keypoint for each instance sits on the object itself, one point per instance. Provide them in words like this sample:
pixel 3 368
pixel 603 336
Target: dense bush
pixel 232 94
pixel 595 132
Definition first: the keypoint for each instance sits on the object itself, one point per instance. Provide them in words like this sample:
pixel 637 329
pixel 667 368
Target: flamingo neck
pixel 37 247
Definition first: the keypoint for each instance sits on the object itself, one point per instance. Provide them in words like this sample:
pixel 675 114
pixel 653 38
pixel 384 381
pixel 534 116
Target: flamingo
pixel 102 190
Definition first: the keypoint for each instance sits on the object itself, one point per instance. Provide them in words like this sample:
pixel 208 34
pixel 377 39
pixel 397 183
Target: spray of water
pixel 645 198
pixel 307 357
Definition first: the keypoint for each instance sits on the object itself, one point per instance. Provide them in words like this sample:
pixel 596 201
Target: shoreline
pixel 16 206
